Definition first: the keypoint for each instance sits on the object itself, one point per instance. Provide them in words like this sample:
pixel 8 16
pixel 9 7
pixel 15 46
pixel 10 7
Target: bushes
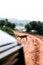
pixel 28 27
pixel 36 26
pixel 7 26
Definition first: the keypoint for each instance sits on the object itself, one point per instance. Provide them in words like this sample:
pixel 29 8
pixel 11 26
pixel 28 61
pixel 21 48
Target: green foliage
pixel 2 22
pixel 7 26
pixel 28 27
pixel 6 29
pixel 36 26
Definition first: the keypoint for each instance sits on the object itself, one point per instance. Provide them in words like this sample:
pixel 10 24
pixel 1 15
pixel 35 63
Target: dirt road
pixel 33 48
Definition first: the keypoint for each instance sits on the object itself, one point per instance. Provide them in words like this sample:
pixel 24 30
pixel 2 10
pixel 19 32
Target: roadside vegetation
pixel 7 26
pixel 34 27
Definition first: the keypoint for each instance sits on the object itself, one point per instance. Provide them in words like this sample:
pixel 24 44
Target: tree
pixel 28 27
pixel 7 26
pixel 35 25
pixel 2 22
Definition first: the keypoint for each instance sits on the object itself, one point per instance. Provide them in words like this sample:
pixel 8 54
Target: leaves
pixel 7 26
pixel 36 26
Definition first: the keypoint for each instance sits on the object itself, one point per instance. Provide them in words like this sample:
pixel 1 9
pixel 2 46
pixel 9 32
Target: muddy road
pixel 33 48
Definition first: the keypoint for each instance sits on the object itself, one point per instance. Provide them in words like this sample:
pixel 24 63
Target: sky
pixel 22 9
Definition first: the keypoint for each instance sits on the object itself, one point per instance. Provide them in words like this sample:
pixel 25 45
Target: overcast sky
pixel 22 9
